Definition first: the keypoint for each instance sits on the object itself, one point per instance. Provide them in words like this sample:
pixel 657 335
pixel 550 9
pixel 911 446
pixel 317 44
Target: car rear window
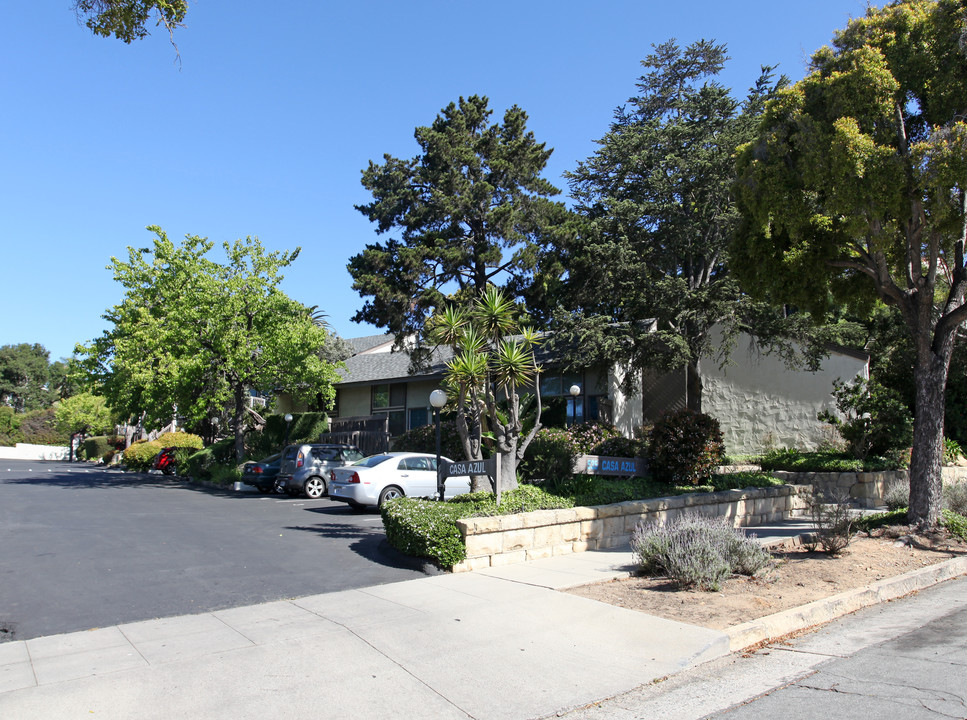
pixel 372 461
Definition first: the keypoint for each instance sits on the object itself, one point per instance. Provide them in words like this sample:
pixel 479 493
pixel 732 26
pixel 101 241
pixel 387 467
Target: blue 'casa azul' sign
pixel 601 465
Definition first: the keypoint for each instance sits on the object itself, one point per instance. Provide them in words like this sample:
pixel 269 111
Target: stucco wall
pixel 354 401
pixel 760 402
pixel 625 409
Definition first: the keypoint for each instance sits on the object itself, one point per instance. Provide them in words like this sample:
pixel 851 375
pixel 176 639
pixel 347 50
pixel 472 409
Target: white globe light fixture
pixel 288 424
pixel 575 390
pixel 438 399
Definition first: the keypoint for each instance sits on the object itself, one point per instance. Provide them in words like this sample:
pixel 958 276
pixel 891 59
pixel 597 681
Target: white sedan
pixel 378 478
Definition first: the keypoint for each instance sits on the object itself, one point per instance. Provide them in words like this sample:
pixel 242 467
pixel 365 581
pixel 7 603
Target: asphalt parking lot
pixel 84 547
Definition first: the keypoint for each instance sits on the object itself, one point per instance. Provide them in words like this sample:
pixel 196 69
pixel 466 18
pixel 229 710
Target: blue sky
pixel 265 125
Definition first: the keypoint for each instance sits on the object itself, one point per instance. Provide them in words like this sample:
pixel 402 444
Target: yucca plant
pixel 493 358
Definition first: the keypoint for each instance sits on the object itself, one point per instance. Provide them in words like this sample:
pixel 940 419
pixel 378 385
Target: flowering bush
pixel 697 551
pixel 585 436
pixel 685 447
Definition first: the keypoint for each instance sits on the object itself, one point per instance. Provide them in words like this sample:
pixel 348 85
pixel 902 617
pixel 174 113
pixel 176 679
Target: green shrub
pixel 742 480
pixel 10 433
pixel 201 465
pixel 799 461
pixel 305 427
pixel 951 451
pixel 877 421
pixel 954 523
pixel 685 447
pixel 99 447
pixel 180 440
pixel 550 455
pixel 140 455
pixel 423 439
pixel 696 551
pixel 868 523
pixel 224 475
pixel 423 528
pixel 39 427
pixel 521 499
pixel 619 447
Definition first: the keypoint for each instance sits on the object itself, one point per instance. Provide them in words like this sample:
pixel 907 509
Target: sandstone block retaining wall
pixel 866 489
pixel 508 539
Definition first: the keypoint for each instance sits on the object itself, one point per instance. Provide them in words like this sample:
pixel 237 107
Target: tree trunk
pixel 508 465
pixel 238 421
pixel 930 380
pixel 693 388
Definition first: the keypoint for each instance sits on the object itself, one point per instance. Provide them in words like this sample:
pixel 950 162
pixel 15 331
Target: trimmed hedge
pixel 100 447
pixel 428 529
pixel 180 440
pixel 140 455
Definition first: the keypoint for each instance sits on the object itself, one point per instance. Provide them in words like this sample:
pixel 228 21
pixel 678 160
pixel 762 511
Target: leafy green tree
pixel 473 195
pixel 83 414
pixel 127 20
pixel 24 376
pixel 648 276
pixel 493 362
pixel 10 433
pixel 192 335
pixel 856 189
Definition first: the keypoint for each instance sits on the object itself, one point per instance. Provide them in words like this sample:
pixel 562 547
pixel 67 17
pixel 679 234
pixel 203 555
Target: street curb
pixel 835 606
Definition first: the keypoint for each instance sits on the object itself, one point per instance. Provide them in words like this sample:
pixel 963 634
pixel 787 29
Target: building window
pixel 558 385
pixel 419 417
pixel 390 399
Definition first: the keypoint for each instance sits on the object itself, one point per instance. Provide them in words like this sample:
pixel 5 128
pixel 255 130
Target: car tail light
pixel 300 461
pixel 257 470
pixel 354 478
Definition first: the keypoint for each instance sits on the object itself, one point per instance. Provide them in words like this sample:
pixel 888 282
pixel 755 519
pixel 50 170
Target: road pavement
pixel 85 547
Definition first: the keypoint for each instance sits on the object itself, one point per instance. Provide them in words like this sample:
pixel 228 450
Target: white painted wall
pixel 26 451
pixel 626 411
pixel 760 402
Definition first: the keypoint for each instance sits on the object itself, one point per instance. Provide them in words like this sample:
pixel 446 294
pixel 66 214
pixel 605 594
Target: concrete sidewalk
pixel 497 643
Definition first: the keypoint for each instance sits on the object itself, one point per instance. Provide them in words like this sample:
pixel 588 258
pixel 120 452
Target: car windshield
pixel 372 461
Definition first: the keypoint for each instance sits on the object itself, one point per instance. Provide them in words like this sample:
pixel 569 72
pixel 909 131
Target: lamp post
pixel 438 399
pixel 288 424
pixel 575 390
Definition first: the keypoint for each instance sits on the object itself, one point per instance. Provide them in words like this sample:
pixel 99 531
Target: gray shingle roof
pixel 389 366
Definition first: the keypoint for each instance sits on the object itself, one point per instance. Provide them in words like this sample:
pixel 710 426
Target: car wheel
pixel 390 492
pixel 315 488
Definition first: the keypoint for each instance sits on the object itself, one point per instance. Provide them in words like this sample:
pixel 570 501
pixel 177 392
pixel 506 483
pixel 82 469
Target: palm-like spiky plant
pixel 489 366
